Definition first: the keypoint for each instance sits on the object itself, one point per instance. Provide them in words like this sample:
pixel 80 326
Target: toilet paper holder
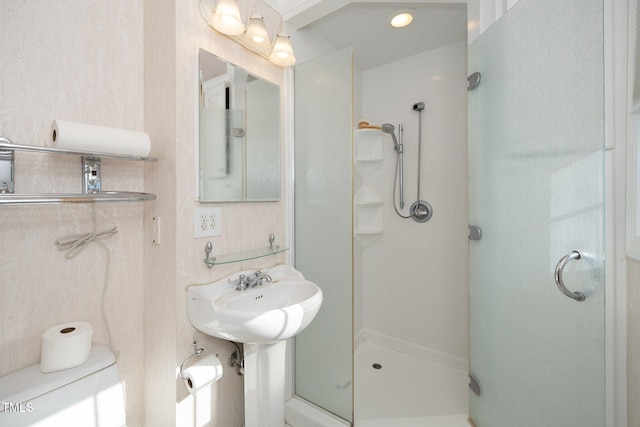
pixel 196 352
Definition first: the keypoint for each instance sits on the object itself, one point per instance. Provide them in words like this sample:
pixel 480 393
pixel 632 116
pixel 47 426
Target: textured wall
pixel 116 64
pixel 79 61
pixel 174 31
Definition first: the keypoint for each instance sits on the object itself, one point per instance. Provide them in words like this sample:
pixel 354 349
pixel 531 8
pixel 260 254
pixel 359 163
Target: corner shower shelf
pixel 368 216
pixel 91 171
pixel 368 151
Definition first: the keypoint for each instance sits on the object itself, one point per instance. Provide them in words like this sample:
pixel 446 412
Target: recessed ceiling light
pixel 401 17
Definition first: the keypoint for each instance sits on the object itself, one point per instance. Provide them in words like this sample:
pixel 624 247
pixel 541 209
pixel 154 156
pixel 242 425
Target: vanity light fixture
pixel 282 53
pixel 257 38
pixel 225 18
pixel 401 18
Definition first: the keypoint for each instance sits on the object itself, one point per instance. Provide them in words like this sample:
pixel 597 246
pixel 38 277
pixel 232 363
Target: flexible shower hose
pixel 395 183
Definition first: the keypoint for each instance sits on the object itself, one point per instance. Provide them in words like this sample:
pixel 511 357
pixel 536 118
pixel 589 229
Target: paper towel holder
pixel 196 352
pixel 91 177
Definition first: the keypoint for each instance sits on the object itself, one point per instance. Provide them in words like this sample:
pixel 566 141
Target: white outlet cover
pixel 207 222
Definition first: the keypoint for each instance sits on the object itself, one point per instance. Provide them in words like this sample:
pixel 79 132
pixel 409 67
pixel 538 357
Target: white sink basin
pixel 265 314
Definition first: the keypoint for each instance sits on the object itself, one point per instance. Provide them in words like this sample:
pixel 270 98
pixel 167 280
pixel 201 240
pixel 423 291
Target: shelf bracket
pixel 6 171
pixel 91 175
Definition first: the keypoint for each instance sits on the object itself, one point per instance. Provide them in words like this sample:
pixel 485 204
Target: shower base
pixel 414 386
pixel 401 384
pixel 442 421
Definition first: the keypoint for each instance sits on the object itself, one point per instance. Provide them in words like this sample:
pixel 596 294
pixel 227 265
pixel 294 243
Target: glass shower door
pixel 537 192
pixel 323 227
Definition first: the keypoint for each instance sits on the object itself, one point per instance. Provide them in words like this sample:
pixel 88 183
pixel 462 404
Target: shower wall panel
pixel 414 279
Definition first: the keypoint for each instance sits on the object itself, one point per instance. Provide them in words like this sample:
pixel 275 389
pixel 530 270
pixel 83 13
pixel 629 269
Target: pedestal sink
pixel 263 318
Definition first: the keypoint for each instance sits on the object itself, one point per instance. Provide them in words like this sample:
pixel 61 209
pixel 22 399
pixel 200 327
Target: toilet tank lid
pixel 30 382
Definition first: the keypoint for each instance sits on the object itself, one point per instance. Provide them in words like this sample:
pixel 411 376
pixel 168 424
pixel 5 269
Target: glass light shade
pixel 401 18
pixel 226 18
pixel 257 37
pixel 282 53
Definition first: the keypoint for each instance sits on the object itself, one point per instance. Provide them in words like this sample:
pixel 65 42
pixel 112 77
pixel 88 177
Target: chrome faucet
pixel 258 278
pixel 245 282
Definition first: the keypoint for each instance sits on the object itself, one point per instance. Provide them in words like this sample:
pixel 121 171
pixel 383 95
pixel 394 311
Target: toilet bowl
pixel 89 395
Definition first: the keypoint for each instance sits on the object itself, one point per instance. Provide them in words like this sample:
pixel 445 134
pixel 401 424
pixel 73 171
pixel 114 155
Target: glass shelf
pixel 245 255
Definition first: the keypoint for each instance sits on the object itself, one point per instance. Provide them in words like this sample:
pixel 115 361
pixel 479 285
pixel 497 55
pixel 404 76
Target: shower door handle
pixel 578 296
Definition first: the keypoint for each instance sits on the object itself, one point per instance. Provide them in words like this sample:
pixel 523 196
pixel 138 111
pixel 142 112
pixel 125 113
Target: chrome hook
pixel 209 260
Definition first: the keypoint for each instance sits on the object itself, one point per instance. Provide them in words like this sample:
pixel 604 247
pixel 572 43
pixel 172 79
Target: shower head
pixel 390 129
pixel 418 106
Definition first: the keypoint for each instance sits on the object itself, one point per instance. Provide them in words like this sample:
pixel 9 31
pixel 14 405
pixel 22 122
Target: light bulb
pixel 401 20
pixel 401 17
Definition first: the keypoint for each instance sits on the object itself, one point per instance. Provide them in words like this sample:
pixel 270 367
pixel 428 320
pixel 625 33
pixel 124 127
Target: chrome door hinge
pixel 473 80
pixel 475 232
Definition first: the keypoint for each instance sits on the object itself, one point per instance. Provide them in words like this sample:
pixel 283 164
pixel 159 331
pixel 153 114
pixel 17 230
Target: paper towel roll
pixel 205 371
pixel 84 137
pixel 65 346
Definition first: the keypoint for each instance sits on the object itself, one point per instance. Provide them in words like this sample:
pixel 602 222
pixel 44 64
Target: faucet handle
pixel 240 283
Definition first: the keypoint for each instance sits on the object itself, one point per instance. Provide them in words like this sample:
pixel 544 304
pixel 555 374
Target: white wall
pixel 414 280
pixel 79 61
pixel 128 64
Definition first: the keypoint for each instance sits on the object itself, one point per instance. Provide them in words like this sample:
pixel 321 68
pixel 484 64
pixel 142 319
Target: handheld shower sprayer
pixel 391 130
pixel 397 146
pixel 418 106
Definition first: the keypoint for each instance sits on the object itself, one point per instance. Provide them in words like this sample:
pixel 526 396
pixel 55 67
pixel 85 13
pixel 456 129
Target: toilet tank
pixel 89 395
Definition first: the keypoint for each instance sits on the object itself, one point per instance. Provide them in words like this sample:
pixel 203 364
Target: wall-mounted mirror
pixel 239 134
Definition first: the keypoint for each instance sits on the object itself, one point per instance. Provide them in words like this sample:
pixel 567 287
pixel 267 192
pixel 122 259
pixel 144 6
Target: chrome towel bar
pixel 91 176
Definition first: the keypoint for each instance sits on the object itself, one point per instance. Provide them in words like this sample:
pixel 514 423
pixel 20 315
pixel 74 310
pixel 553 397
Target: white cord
pixel 75 243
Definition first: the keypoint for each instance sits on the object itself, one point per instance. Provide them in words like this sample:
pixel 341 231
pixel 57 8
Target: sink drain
pixel 376 366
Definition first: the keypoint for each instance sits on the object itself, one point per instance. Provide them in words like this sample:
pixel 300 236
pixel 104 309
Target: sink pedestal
pixel 264 377
pixel 272 306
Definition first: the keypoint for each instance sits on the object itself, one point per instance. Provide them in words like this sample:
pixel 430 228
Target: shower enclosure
pixel 398 316
pixel 399 287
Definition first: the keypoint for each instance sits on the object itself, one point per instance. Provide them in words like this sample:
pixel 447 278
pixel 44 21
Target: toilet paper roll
pixel 205 371
pixel 84 137
pixel 65 346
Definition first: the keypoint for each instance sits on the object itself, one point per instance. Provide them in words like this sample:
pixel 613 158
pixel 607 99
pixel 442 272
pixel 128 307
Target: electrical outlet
pixel 207 222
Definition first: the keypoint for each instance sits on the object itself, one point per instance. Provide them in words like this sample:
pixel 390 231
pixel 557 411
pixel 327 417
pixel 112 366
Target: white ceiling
pixel 363 25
